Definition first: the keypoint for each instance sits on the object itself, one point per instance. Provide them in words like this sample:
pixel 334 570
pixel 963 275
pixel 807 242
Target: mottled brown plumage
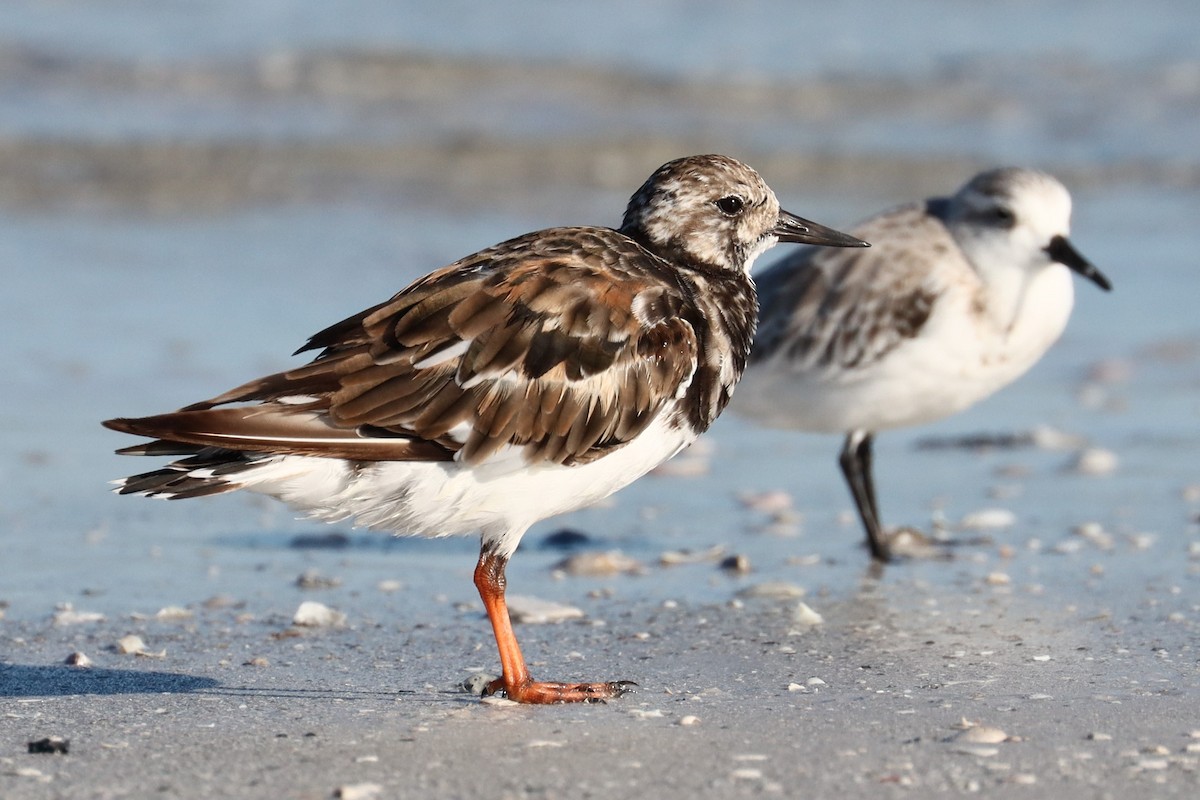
pixel 528 379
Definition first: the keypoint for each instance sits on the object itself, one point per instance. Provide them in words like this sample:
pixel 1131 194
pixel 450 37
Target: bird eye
pixel 731 205
pixel 1003 216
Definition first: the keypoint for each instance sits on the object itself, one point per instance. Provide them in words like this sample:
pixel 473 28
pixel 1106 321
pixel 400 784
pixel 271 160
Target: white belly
pixel 501 497
pixel 955 361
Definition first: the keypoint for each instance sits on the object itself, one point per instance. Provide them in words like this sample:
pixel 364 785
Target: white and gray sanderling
pixel 956 298
pixel 527 380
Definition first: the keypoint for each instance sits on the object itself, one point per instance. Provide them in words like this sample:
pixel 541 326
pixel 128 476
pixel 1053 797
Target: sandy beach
pixel 183 200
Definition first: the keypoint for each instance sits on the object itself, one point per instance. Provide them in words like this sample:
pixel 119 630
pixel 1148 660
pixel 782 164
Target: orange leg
pixel 515 681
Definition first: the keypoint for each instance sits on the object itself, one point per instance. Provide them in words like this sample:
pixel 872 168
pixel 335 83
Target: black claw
pixel 614 689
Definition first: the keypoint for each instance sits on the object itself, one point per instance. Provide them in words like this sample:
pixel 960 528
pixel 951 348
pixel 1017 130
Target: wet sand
pixel 735 699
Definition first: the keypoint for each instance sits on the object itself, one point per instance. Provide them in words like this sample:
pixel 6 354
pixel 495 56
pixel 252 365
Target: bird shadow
pixel 60 680
pixel 20 680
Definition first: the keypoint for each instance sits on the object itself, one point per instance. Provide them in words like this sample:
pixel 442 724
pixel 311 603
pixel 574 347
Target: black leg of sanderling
pixel 856 463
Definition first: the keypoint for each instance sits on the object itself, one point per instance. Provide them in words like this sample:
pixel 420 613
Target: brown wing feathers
pixel 544 353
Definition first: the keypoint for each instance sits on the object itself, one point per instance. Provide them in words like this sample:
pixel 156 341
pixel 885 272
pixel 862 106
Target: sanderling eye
pixel 731 205
pixel 1003 216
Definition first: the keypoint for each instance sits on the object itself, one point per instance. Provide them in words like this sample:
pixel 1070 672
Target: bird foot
pixel 554 692
pixel 907 542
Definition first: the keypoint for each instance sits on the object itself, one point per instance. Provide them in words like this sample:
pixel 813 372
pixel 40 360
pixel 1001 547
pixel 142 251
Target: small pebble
pixel 257 661
pixel 78 659
pixel 1099 737
pixel 738 564
pixel 134 645
pixel 312 579
pixel 988 519
pixel 312 614
pixel 676 558
pixel 1047 438
pixel 804 615
pixel 389 585
pixel 358 791
pixel 130 645
pixel 51 745
pixel 1142 541
pixel 1094 461
pixel 689 720
pixel 476 683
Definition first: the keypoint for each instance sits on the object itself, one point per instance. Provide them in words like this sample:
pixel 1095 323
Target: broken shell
pixel 130 645
pixel 172 613
pixel 988 519
pixel 67 615
pixel 981 734
pixel 1094 461
pixel 778 590
pixel 358 791
pixel 599 565
pixel 317 615
pixel 804 615
pixel 535 611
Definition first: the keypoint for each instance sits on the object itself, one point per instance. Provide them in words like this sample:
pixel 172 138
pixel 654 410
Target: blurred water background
pixel 188 190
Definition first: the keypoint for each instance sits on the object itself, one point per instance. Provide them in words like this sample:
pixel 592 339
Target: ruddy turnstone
pixel 529 379
pixel 958 297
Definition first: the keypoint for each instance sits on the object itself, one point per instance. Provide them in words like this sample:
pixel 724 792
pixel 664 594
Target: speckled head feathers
pixel 706 210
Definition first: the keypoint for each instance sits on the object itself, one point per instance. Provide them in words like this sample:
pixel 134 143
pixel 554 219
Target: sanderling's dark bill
pixel 529 379
pixel 956 298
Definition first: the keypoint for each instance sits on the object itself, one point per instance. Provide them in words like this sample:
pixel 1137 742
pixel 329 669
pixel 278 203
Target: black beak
pixel 1060 250
pixel 791 228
